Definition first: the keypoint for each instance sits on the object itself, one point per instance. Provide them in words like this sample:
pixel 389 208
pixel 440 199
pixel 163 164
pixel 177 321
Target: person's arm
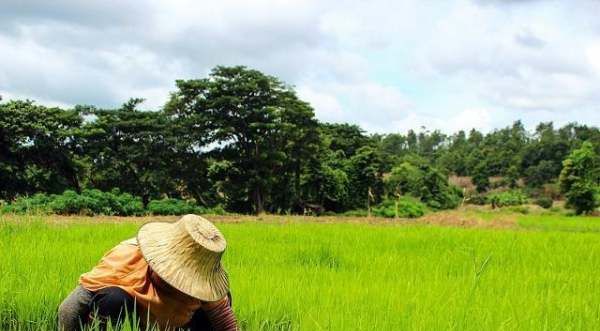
pixel 220 315
pixel 74 309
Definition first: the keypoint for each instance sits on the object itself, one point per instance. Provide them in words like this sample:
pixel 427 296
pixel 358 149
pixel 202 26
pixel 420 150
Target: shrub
pixel 216 210
pixel 544 202
pixel 125 204
pixel 551 190
pixel 356 213
pixel 89 202
pixel 555 209
pixel 96 202
pixel 406 207
pixel 173 207
pixel 477 199
pixel 507 198
pixel 70 203
pixel 37 203
pixel 425 182
pixel 519 209
pixel 583 197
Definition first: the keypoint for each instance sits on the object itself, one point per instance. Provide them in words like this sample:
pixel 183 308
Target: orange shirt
pixel 125 267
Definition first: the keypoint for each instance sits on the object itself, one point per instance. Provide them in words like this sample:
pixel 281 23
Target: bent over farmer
pixel 170 277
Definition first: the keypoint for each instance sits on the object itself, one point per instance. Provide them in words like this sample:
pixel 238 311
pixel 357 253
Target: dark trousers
pixel 113 305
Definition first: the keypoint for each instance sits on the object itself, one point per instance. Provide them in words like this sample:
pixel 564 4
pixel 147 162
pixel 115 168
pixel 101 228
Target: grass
pixel 540 275
pixel 584 224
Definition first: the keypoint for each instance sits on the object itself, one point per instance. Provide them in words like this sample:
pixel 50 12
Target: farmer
pixel 170 277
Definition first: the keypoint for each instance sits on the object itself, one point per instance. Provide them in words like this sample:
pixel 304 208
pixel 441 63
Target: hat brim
pixel 169 252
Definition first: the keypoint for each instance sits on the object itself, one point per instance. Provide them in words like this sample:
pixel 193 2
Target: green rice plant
pixel 298 275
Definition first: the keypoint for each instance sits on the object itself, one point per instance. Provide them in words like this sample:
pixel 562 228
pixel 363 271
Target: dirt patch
pixel 466 219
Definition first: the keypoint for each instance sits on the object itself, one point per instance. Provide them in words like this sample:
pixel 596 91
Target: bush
pixel 544 202
pixel 406 207
pixel 96 202
pixel 477 199
pixel 551 190
pixel 425 182
pixel 89 202
pixel 173 207
pixel 70 203
pixel 216 210
pixel 583 197
pixel 37 203
pixel 356 213
pixel 519 209
pixel 125 204
pixel 507 198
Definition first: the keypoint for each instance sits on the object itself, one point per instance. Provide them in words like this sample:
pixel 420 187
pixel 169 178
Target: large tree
pixel 258 125
pixel 130 149
pixel 38 149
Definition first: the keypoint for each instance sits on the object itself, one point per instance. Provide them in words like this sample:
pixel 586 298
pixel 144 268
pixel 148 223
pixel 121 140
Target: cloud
pixel 530 64
pixel 385 65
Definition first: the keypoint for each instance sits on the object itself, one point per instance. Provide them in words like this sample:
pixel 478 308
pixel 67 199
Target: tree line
pixel 244 140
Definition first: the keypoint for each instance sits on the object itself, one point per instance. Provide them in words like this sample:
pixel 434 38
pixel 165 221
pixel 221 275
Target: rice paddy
pixel 540 274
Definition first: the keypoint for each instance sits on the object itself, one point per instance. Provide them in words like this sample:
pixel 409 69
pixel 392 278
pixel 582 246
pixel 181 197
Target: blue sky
pixel 386 65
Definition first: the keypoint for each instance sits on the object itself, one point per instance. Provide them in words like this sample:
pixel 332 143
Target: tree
pixel 580 179
pixel 481 177
pixel 257 124
pixel 347 138
pixel 130 149
pixel 542 158
pixel 365 171
pixel 39 149
pixel 420 180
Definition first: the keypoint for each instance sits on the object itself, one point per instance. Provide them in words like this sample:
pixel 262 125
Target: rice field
pixel 541 274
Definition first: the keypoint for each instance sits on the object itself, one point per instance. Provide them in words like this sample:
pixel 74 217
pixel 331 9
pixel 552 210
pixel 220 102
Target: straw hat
pixel 187 255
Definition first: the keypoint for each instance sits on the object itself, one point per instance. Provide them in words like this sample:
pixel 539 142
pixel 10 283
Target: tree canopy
pixel 244 140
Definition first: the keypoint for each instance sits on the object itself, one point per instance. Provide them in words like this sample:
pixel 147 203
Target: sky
pixel 388 66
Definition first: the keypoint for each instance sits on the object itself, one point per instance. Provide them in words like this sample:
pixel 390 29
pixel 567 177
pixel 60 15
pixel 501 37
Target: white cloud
pixel 385 65
pixel 327 106
pixel 466 119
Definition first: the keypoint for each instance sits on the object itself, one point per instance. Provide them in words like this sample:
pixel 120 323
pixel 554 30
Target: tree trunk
pixel 258 201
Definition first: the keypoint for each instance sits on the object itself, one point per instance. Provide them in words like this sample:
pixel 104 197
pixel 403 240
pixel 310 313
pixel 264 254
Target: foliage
pixel 477 199
pixel 416 178
pixel 507 198
pixel 580 179
pixel 244 140
pixel 266 133
pixel 365 172
pixel 89 202
pixel 356 213
pixel 405 207
pixel 481 177
pixel 551 190
pixel 173 207
pixel 38 149
pixel 544 202
pixel 35 204
pixel 519 209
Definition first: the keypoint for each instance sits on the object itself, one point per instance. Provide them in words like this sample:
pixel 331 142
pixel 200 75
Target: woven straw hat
pixel 187 255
